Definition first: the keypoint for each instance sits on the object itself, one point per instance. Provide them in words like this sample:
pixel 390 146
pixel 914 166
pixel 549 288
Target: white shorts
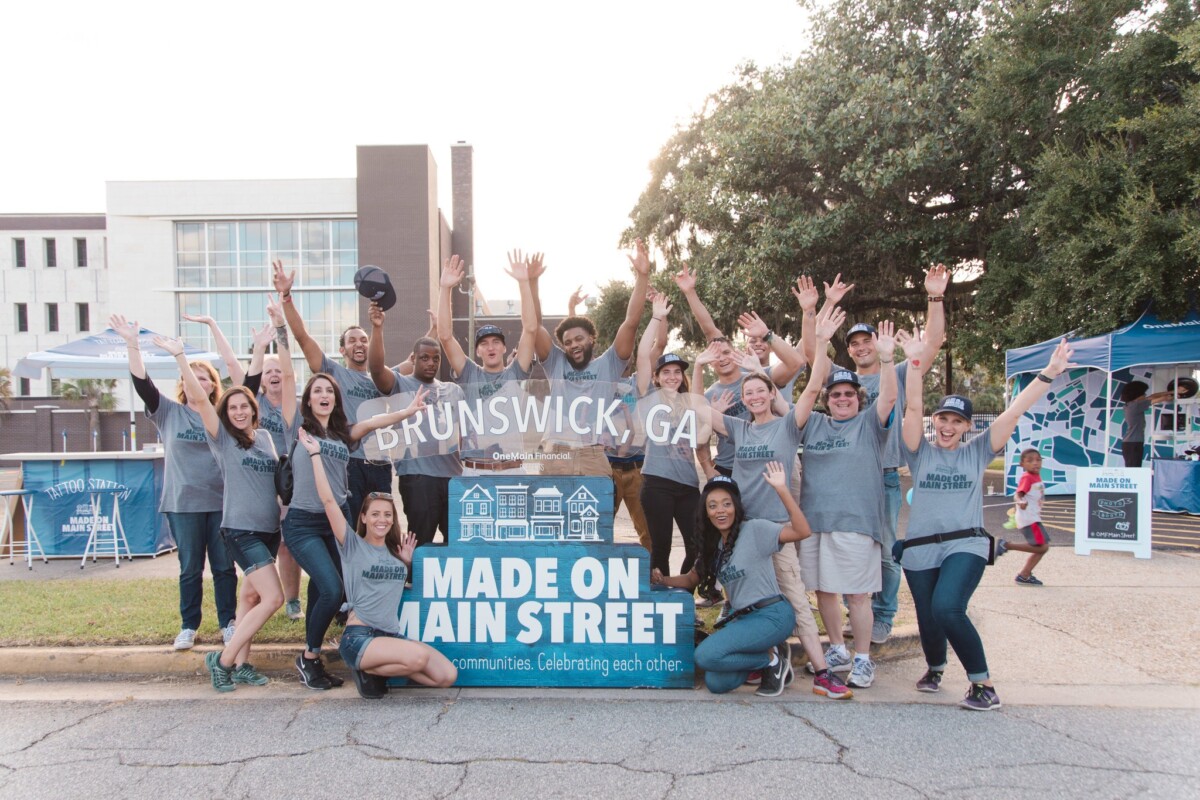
pixel 841 562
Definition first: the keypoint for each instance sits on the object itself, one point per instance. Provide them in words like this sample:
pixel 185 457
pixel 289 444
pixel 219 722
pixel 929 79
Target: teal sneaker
pixel 246 673
pixel 222 678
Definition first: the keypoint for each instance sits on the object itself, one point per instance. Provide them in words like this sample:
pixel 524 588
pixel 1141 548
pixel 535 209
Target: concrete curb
pixel 162 660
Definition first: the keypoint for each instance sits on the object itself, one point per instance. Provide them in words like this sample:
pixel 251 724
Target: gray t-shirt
pixel 191 481
pixel 870 383
pixel 947 496
pixel 357 388
pixel 425 448
pixel 250 502
pixel 270 419
pixel 597 381
pixel 335 457
pixel 479 387
pixel 748 573
pixel 660 417
pixel 1133 429
pixel 738 410
pixel 840 487
pixel 374 581
pixel 755 445
pixel 619 445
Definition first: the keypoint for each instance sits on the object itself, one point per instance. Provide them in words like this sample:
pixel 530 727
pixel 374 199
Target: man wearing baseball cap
pixel 480 379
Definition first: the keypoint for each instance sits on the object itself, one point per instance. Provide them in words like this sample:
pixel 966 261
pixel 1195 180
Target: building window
pixel 51 317
pixel 51 252
pixel 83 320
pixel 22 318
pixel 81 252
pixel 19 253
pixel 24 390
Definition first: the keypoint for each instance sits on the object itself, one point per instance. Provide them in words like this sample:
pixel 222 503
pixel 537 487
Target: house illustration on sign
pixel 515 514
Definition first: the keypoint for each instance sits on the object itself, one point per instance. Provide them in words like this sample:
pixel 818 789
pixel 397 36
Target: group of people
pixel 761 527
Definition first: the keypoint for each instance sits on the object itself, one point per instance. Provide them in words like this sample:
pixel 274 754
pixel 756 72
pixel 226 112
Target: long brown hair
pixel 392 539
pixel 245 439
pixel 339 426
pixel 213 376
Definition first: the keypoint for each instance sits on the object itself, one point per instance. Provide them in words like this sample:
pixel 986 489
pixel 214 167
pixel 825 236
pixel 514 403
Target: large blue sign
pixel 532 591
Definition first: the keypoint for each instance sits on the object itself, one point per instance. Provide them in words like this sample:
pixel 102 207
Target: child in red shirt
pixel 1030 492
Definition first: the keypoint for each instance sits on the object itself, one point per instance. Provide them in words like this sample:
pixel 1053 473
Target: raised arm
pixel 283 285
pixel 912 429
pixel 191 385
pixel 828 321
pixel 384 378
pixel 519 270
pixel 790 360
pixel 333 511
pixel 452 275
pixel 797 528
pixel 287 370
pixel 232 365
pixel 805 292
pixel 261 341
pixel 937 281
pixel 378 421
pixel 626 334
pixel 645 353
pixel 885 346
pixel 129 331
pixel 1002 429
pixel 685 279
pixel 542 342
pixel 575 300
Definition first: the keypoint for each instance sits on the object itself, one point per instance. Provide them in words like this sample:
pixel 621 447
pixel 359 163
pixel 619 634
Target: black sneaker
pixel 980 698
pixel 312 673
pixel 370 687
pixel 930 682
pixel 775 677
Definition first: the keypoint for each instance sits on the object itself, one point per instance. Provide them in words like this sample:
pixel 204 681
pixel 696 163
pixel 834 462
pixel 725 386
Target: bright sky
pixel 566 104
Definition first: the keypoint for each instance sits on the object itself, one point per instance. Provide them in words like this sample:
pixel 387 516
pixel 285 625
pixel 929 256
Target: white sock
pixel 841 648
pixel 774 659
pixel 861 657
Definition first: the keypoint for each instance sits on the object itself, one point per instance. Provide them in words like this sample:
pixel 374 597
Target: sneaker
pixel 862 675
pixel 222 679
pixel 830 685
pixel 930 682
pixel 880 631
pixel 775 677
pixel 1001 547
pixel 1030 581
pixel 312 673
pixel 370 687
pixel 246 673
pixel 228 631
pixel 185 639
pixel 292 609
pixel 754 678
pixel 838 659
pixel 981 698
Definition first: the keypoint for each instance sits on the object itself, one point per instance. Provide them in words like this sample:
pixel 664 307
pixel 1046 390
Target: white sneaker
pixel 862 675
pixel 227 632
pixel 185 639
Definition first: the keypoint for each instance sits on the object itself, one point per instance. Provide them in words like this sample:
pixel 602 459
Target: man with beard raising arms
pixel 575 375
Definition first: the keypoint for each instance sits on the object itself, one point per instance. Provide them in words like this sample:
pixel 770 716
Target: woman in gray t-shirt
pixel 942 572
pixel 376 558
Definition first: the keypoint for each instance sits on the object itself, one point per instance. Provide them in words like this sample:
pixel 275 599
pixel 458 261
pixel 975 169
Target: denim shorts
pixel 251 549
pixel 355 639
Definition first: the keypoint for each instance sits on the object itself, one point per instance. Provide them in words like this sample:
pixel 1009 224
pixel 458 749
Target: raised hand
pixel 1060 361
pixel 685 279
pixel 640 260
pixel 775 475
pixel 376 315
pixel 452 272
pixel 418 401
pixel 262 339
pixel 577 297
pixel 914 348
pixel 828 321
pixel 752 324
pixel 885 340
pixel 202 319
pixel 275 311
pixel 408 544
pixel 661 307
pixel 708 355
pixel 937 280
pixel 722 402
pixel 805 292
pixel 173 346
pixel 125 329
pixel 537 266
pixel 280 279
pixel 834 293
pixel 747 360
pixel 311 445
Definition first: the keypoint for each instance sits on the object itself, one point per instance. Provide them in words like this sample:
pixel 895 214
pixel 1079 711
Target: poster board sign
pixel 1112 510
pixel 533 591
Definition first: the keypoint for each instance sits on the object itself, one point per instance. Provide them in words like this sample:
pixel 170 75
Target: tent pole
pixel 133 445
pixel 1108 415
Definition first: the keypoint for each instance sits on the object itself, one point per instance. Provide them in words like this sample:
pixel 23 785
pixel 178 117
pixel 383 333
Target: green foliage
pixel 96 392
pixel 6 386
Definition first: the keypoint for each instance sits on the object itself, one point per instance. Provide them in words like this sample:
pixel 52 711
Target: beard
pixel 584 360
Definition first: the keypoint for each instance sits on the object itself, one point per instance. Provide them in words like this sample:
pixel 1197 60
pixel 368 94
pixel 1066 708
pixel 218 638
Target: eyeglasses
pixel 836 395
pixel 378 496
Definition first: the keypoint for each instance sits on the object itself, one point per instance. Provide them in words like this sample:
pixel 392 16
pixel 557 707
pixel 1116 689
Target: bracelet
pixel 287 298
pixel 1041 376
pixel 658 319
pixel 937 299
pixel 314 455
pixel 770 335
pixel 889 361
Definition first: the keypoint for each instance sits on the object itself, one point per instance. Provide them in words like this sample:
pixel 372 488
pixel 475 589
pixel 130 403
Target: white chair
pixel 112 541
pixel 9 534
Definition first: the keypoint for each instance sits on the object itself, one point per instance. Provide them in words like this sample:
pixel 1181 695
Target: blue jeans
pixel 197 534
pixel 731 653
pixel 311 543
pixel 426 506
pixel 941 596
pixel 884 602
pixel 362 478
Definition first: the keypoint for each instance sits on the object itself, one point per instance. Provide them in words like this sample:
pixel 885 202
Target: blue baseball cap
pixel 860 327
pixel 721 482
pixel 842 376
pixel 489 330
pixel 955 404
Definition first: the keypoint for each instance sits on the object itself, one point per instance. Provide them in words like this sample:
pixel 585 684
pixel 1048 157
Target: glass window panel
pixel 189 236
pixel 255 277
pixel 191 259
pixel 316 234
pixel 289 258
pixel 220 236
pixel 252 236
pixel 222 258
pixel 284 236
pixel 191 303
pixel 344 276
pixel 191 277
pixel 224 309
pixel 222 276
pixel 314 257
pixel 345 234
pixel 253 258
pixel 314 276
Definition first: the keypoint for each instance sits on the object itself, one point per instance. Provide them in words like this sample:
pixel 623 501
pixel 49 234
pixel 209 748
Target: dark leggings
pixel 1133 453
pixel 664 501
pixel 941 596
pixel 311 543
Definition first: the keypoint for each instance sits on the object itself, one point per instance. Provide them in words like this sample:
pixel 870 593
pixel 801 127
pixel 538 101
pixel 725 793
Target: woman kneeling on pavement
pixel 737 551
pixel 946 548
pixel 376 559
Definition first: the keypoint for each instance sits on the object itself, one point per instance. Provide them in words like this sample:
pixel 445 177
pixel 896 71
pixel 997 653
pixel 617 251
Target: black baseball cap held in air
pixel 955 404
pixel 860 327
pixel 842 376
pixel 489 330
pixel 375 285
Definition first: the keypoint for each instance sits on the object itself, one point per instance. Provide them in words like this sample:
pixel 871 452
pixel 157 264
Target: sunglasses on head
pixel 379 496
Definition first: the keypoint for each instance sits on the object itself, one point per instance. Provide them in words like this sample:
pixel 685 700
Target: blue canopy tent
pixel 1073 426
